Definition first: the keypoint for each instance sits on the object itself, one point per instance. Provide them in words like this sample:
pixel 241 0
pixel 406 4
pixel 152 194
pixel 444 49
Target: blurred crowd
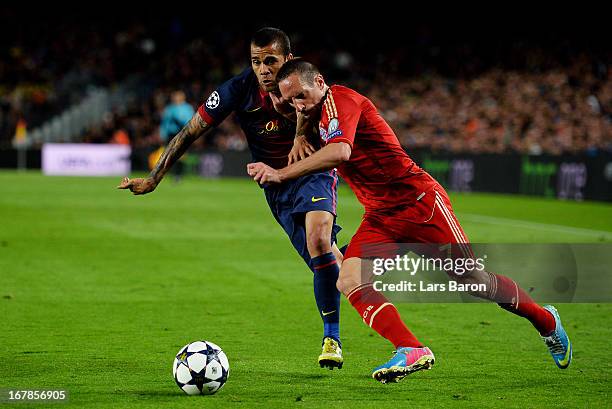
pixel 459 97
pixel 554 112
pixel 45 68
pixel 194 70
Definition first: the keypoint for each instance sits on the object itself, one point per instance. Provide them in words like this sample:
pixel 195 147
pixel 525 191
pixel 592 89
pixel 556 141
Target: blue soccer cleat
pixel 558 342
pixel 404 362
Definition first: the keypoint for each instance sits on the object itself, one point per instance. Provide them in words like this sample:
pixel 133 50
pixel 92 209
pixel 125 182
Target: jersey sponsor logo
pixel 271 126
pixel 213 100
pixel 253 110
pixel 317 199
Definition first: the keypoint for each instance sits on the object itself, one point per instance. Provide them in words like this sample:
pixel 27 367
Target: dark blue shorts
pixel 290 201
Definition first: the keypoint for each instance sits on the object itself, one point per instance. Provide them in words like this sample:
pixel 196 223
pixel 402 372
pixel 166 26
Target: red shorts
pixel 429 220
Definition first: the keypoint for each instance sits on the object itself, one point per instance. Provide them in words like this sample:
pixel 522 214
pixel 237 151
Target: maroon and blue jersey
pixel 270 137
pixel 269 134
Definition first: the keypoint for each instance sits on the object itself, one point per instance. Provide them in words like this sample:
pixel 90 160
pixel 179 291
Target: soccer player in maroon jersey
pixel 403 204
pixel 306 207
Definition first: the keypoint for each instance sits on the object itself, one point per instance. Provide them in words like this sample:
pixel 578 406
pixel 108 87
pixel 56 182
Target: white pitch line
pixel 477 218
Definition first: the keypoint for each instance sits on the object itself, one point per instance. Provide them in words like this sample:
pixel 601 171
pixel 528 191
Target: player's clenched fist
pixel 262 173
pixel 138 186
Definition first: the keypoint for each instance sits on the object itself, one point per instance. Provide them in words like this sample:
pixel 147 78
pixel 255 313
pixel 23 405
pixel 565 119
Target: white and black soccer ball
pixel 200 367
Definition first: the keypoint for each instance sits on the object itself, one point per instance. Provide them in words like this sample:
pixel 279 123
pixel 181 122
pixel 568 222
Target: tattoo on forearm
pixel 179 145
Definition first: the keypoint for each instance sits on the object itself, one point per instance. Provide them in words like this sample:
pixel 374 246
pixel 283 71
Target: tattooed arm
pixel 176 148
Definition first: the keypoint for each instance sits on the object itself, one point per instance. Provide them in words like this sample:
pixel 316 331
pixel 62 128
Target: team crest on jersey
pixel 213 100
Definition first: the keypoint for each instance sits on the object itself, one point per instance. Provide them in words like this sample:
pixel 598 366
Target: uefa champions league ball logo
pixel 213 100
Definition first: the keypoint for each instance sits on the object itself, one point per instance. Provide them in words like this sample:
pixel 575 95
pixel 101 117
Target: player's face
pixel 305 98
pixel 266 61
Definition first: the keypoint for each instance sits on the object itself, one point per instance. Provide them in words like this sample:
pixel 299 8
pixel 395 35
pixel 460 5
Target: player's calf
pixel 325 269
pixel 475 277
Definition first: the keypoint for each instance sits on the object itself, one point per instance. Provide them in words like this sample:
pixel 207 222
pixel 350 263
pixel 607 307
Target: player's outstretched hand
pixel 301 149
pixel 263 174
pixel 138 186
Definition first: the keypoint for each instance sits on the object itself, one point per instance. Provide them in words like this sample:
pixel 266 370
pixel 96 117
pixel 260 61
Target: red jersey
pixel 379 171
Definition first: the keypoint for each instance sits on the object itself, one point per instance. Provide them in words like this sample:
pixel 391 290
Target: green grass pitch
pixel 99 289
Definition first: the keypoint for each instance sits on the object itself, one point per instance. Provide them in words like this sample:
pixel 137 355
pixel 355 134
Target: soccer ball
pixel 200 367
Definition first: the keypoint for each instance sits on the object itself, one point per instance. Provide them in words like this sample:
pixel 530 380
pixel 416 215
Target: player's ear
pixel 320 81
pixel 289 57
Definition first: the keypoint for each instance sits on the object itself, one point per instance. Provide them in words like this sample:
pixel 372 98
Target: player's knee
pixel 342 285
pixel 346 284
pixel 318 240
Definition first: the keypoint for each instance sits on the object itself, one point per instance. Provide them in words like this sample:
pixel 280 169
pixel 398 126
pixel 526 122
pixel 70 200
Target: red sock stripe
pixel 333 189
pixel 331 263
pixel 376 312
pixel 492 286
pixel 356 290
pixel 513 298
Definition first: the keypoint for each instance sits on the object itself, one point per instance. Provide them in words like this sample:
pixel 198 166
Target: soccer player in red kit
pixel 403 204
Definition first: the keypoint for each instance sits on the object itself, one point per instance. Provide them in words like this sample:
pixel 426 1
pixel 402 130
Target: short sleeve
pixel 222 102
pixel 343 113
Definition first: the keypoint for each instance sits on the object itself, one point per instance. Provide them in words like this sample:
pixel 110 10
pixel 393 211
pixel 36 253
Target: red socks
pixel 382 316
pixel 512 298
pixel 377 312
